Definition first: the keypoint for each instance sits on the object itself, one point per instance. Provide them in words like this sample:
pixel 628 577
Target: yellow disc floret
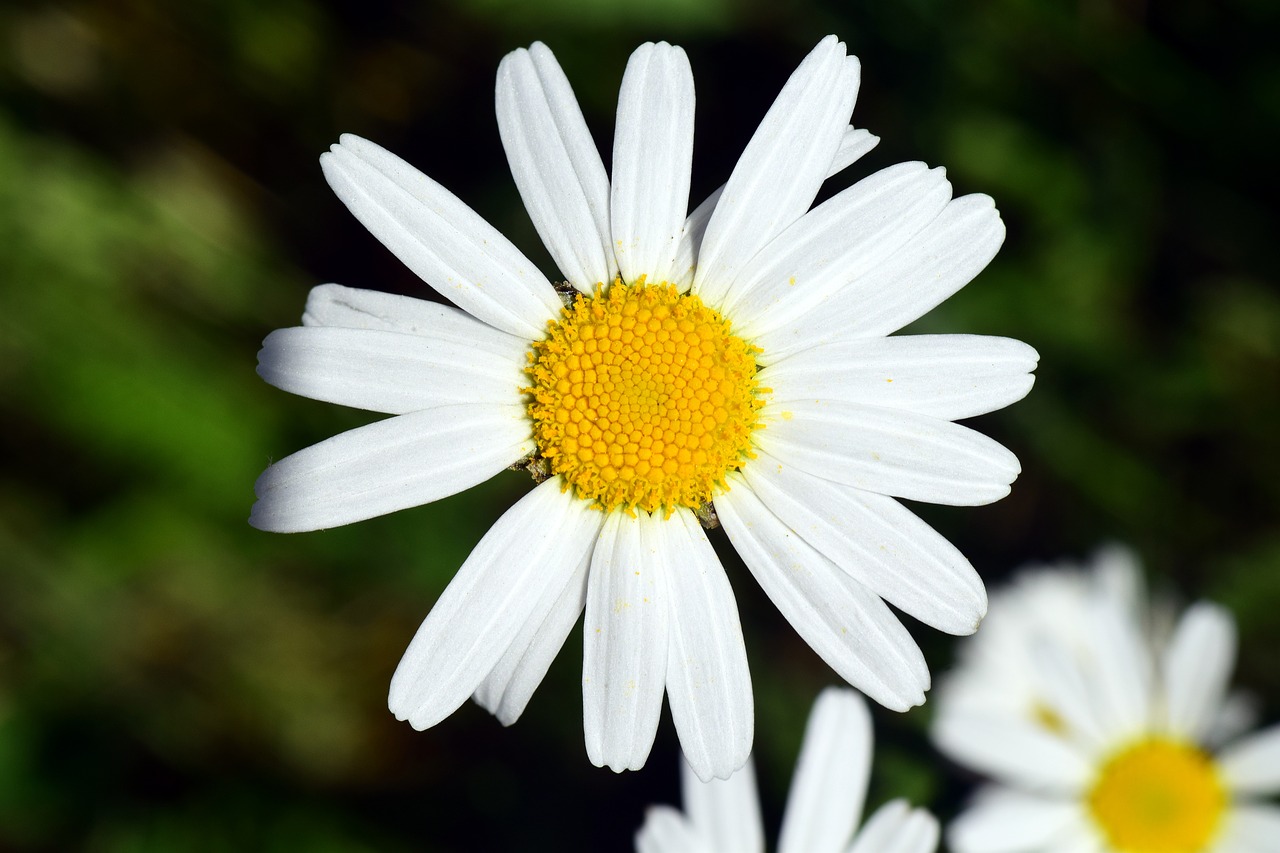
pixel 643 398
pixel 1158 796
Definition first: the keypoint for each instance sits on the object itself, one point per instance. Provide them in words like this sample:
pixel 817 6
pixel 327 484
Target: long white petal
pixel 1250 828
pixel 879 542
pixel 1003 820
pixel 555 165
pixel 445 242
pixel 1123 669
pixel 665 830
pixel 354 308
pixel 393 464
pixel 830 782
pixel 942 376
pixel 708 683
pixel 889 451
pixel 652 161
pixel 781 169
pixel 1252 764
pixel 855 143
pixel 1019 753
pixel 389 372
pixel 836 243
pixel 726 812
pixel 849 626
pixel 507 689
pixel 625 641
pixel 1196 666
pixel 895 827
pixel 933 265
pixel 484 607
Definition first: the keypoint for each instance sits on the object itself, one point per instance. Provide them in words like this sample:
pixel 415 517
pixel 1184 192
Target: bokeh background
pixel 171 679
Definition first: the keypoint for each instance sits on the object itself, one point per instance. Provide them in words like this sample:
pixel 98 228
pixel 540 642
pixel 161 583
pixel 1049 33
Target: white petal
pixel 1122 683
pixel 652 159
pixel 781 169
pixel 895 827
pixel 1197 665
pixel 393 464
pixel 853 145
pixel 1251 828
pixel 1002 820
pixel 1013 751
pixel 556 165
pixel 1252 764
pixel 390 372
pixel 507 689
pixel 726 812
pixel 888 451
pixel 934 264
pixel 845 623
pixel 830 782
pixel 836 243
pixel 665 830
pixel 942 376
pixel 1068 692
pixel 708 683
pixel 879 542
pixel 445 242
pixel 484 607
pixel 625 641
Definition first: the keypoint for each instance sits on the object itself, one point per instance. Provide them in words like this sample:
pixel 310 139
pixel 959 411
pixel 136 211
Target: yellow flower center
pixel 1158 796
pixel 642 397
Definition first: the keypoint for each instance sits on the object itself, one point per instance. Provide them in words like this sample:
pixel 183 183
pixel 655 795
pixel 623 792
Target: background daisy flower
pixel 1102 731
pixel 737 355
pixel 823 809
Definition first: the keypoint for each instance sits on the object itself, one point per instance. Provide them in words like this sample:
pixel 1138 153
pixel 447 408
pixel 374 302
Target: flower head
pixel 730 362
pixel 1102 730
pixel 823 808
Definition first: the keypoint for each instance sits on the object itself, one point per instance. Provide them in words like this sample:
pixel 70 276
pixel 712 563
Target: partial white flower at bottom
pixel 823 808
pixel 1102 731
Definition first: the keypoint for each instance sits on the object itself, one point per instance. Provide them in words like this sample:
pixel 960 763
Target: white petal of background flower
pixel 887 451
pixel 1002 820
pixel 781 169
pixel 400 462
pixel 848 626
pixel 895 827
pixel 1122 674
pixel 933 265
pixel 878 542
pixel 1196 668
pixel 507 689
pixel 834 244
pixel 625 635
pixel 391 372
pixel 1252 764
pixel 534 547
pixel 726 812
pixel 853 146
pixel 556 165
pixel 708 683
pixel 666 830
pixel 942 376
pixel 830 782
pixel 445 242
pixel 1020 753
pixel 1252 828
pixel 652 162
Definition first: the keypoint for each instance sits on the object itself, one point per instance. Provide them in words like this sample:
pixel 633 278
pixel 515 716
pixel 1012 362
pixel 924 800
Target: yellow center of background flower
pixel 642 397
pixel 1158 796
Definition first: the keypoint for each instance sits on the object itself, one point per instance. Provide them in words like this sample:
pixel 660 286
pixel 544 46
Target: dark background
pixel 171 679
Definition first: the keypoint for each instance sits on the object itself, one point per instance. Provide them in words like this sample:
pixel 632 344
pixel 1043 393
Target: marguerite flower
pixel 1109 732
pixel 823 808
pixel 736 357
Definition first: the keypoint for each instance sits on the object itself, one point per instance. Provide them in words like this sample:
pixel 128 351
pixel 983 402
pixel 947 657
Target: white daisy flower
pixel 1102 731
pixel 737 355
pixel 823 808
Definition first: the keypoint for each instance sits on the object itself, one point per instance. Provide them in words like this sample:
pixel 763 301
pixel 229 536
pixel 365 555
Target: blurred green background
pixel 171 679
